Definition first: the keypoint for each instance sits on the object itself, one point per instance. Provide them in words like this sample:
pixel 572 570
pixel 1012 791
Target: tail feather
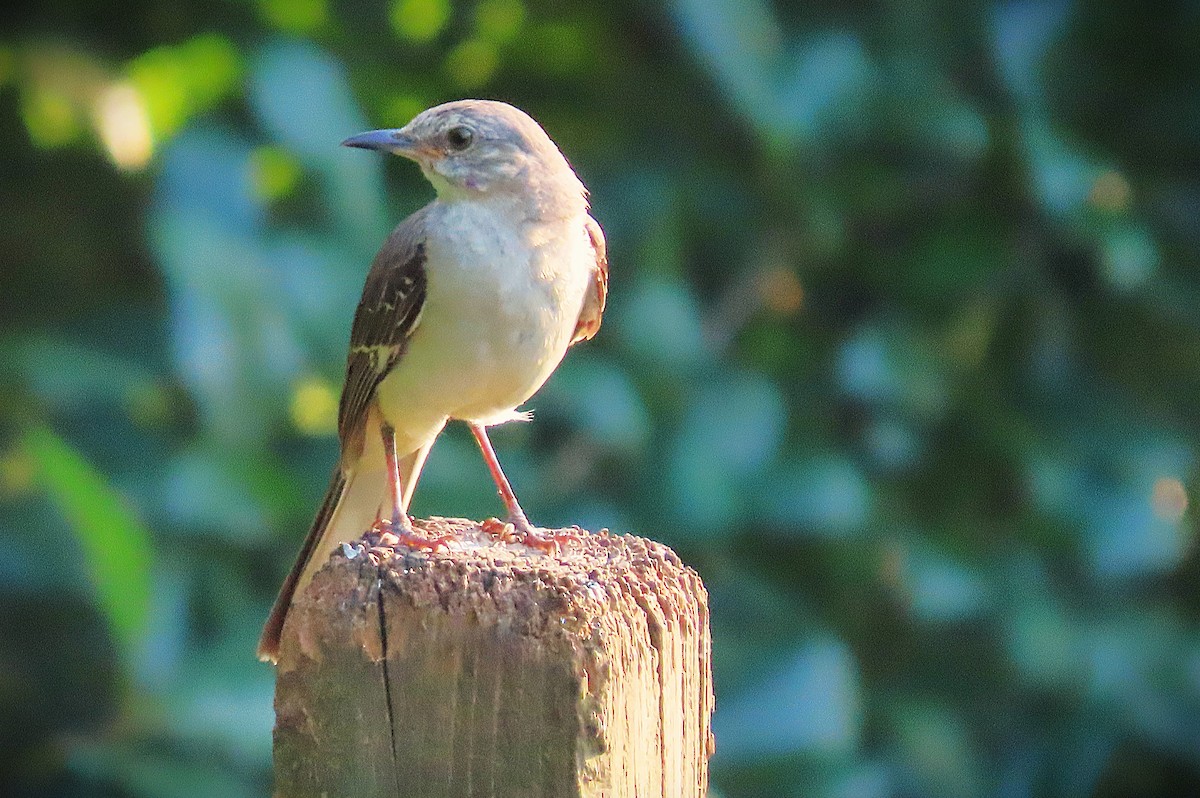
pixel 350 506
pixel 268 643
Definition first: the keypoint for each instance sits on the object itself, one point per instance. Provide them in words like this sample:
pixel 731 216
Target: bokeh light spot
pixel 419 20
pixel 1169 499
pixel 123 125
pixel 49 117
pixel 275 172
pixel 295 16
pixel 400 108
pixel 499 20
pixel 782 292
pixel 213 67
pixel 178 82
pixel 314 407
pixel 472 63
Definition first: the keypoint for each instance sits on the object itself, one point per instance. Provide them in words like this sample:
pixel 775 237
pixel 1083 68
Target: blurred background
pixel 902 353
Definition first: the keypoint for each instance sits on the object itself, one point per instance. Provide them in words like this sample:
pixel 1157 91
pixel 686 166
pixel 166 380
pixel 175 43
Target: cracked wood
pixel 489 671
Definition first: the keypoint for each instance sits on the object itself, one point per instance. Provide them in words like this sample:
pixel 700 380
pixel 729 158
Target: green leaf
pixel 116 546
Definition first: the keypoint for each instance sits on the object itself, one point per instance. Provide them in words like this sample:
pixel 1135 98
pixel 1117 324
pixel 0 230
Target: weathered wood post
pixel 490 670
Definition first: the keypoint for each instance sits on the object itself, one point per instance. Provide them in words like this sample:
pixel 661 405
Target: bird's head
pixel 473 148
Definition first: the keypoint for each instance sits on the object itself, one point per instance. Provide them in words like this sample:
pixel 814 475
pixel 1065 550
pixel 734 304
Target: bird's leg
pixel 400 520
pixel 516 516
pixel 401 525
pixel 522 531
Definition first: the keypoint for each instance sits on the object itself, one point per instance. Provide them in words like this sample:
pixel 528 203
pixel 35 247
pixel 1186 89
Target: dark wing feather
pixel 597 294
pixel 387 315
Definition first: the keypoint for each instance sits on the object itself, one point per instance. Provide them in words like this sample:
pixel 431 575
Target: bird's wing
pixel 597 293
pixel 387 316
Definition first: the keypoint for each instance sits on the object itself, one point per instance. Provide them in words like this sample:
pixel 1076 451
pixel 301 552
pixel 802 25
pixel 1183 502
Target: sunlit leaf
pixel 50 117
pixel 275 172
pixel 177 82
pixel 314 407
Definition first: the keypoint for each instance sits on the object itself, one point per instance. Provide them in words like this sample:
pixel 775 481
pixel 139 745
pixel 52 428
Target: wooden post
pixel 490 670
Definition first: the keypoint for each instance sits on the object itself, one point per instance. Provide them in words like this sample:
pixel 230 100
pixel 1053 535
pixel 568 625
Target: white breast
pixel 502 302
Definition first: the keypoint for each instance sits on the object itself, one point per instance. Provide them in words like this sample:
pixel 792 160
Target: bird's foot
pixel 398 532
pixel 521 531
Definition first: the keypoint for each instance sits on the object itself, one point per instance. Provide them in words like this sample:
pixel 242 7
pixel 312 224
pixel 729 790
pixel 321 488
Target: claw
pixel 393 535
pixel 501 530
pixel 526 535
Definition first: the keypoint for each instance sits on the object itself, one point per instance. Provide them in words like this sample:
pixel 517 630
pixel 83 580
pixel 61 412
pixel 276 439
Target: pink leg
pixel 400 519
pixel 401 525
pixel 516 516
pixel 520 528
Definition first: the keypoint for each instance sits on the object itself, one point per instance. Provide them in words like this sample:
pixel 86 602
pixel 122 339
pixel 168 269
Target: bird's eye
pixel 459 138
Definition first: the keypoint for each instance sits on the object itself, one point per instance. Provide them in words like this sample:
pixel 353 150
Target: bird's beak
pixel 396 142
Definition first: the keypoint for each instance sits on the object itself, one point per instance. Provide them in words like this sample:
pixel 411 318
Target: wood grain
pixel 488 670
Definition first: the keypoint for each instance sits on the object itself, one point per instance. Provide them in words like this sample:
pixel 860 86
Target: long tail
pixel 349 508
pixel 268 643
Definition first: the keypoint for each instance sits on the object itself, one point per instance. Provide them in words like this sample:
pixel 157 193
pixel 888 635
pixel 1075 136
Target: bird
pixel 467 309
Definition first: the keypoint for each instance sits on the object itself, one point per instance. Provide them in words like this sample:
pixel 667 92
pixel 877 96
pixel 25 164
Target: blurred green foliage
pixel 903 354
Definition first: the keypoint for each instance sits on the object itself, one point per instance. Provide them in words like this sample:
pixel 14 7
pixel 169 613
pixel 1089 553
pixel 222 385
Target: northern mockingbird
pixel 468 308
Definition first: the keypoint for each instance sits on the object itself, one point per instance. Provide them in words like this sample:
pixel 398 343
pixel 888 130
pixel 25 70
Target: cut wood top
pixel 584 672
pixel 474 572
